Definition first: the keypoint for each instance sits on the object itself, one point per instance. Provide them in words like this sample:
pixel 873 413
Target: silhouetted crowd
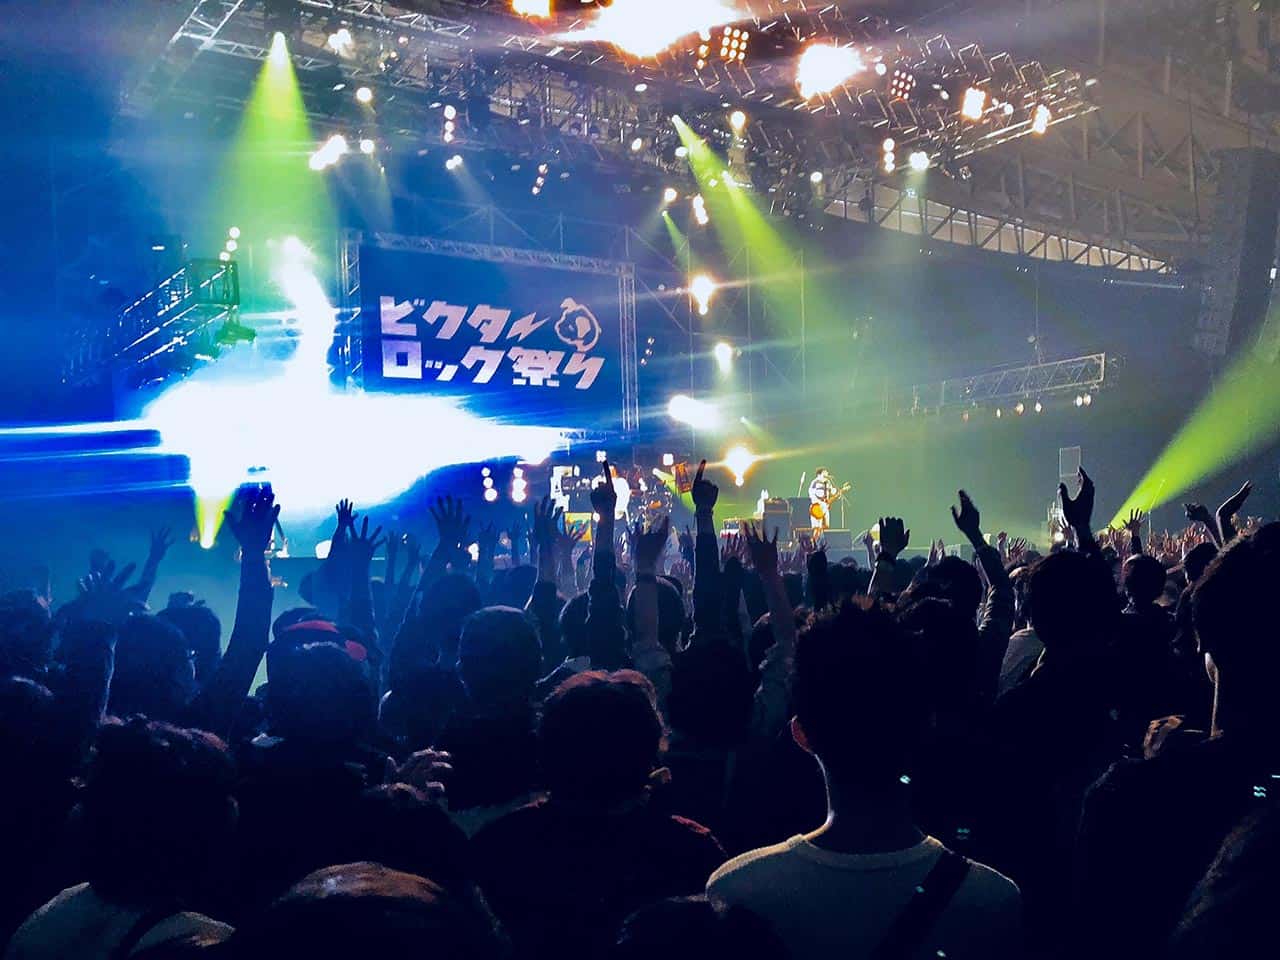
pixel 631 742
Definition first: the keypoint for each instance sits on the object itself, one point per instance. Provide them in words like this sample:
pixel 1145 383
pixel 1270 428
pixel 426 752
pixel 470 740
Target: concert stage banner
pixel 519 336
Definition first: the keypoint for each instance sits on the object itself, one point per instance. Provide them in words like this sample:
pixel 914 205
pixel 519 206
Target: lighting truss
pixel 531 72
pixel 1030 382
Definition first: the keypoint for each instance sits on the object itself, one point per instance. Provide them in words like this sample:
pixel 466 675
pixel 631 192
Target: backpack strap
pixel 141 927
pixel 922 911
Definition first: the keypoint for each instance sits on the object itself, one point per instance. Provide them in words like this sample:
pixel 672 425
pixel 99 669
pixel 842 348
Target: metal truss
pixel 519 256
pixel 171 315
pixel 1026 383
pixel 546 93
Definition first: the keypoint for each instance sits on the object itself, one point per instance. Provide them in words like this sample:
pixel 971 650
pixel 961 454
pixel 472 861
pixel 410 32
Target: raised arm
pixel 706 567
pixel 220 701
pixel 647 652
pixel 769 710
pixel 1078 513
pixel 995 617
pixel 1230 507
pixel 605 628
pixel 1134 527
pixel 161 541
pixel 894 537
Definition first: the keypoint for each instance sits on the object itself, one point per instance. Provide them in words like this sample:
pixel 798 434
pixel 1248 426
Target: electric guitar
pixel 822 509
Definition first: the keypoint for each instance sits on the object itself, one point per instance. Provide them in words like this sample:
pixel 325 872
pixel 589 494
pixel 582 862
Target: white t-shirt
pixel 78 923
pixel 825 904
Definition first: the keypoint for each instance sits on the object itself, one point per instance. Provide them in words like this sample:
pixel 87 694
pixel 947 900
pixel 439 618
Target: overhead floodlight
pixel 637 144
pixel 453 163
pixel 670 195
pixel 888 145
pixel 815 177
pixel 702 288
pixel 634 27
pixel 823 67
pixel 694 413
pixel 532 8
pixel 738 120
pixel 364 95
pixel 234 233
pixel 1040 119
pixel 975 101
pixel 739 460
pixel 341 42
pixel 329 153
pixel 367 146
pixel 724 356
pixel 919 160
pixel 700 210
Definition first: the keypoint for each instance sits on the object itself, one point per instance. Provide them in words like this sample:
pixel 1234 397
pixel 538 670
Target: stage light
pixel 602 456
pixel 450 111
pixel 668 459
pixel 341 42
pixel 637 144
pixel 1019 408
pixel 919 160
pixel 902 83
pixel 975 101
pixel 733 45
pixel 682 151
pixel 641 87
pixel 889 145
pixel 486 472
pixel 234 233
pixel 881 68
pixel 532 8
pixel 822 68
pixel 491 495
pixel 634 26
pixel 1088 399
pixel 670 195
pixel 724 356
pixel 1040 119
pixel 323 548
pixel 367 146
pixel 738 120
pixel 965 416
pixel 999 413
pixel 330 152
pixel 1038 407
pixel 739 460
pixel 700 210
pixel 889 165
pixel 519 486
pixel 694 413
pixel 364 95
pixel 815 177
pixel 1079 400
pixel 453 163
pixel 701 288
pixel 232 246
pixel 224 256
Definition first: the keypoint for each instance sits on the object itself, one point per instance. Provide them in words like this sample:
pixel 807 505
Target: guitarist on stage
pixel 823 492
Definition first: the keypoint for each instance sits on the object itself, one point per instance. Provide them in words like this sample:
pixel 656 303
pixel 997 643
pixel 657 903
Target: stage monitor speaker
pixel 1242 249
pixel 839 541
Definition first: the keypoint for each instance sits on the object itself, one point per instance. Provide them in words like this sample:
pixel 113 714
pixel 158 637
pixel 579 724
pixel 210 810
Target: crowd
pixel 637 743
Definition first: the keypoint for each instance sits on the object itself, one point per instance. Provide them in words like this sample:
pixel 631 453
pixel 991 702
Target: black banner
pixel 517 343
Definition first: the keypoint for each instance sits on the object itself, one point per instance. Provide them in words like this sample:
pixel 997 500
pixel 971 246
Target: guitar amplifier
pixel 799 511
pixel 777 516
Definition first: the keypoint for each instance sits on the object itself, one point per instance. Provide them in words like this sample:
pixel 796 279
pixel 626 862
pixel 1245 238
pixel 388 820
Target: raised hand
pixel 967 520
pixel 648 545
pixel 363 544
pixel 452 524
pixel 1135 522
pixel 1198 513
pixel 704 493
pixel 1078 512
pixel 487 539
pixel 424 770
pixel 934 556
pixel 346 511
pixel 161 541
pixel 1231 506
pixel 1018 548
pixel 762 550
pixel 604 499
pixel 687 547
pixel 546 516
pixel 730 547
pixel 256 523
pixel 894 537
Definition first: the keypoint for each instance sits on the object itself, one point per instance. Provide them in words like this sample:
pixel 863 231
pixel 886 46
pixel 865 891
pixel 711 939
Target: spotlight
pixel 234 233
pixel 364 95
pixel 815 177
pixel 737 120
pixel 919 160
pixel 602 456
pixel 367 146
pixel 637 144
pixel 341 42
pixel 1007 109
pixel 532 8
pixel 733 45
pixel 1088 399
pixel 881 68
pixel 670 195
pixel 668 459
pixel 695 413
pixel 965 416
pixel 724 356
pixel 1019 408
pixel 519 487
pixel 1040 119
pixel 491 495
pixel 450 112
pixel 486 472
pixel 999 413
pixel 453 163
pixel 1039 407
pixel 889 164
pixel 889 145
pixel 700 210
pixel 701 288
pixel 330 152
pixel 739 460
pixel 1079 400
pixel 224 256
pixel 231 246
pixel 641 87
pixel 822 68
pixel 975 101
pixel 682 151
pixel 902 83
